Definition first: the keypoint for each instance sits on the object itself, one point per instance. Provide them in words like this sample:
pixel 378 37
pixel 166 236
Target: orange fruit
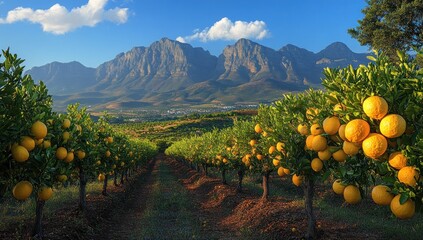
pixel 39 130
pixel 66 123
pixel 341 132
pixel 409 176
pixel 397 160
pixel 316 129
pixel 69 157
pixel 45 193
pixel 108 153
pixel 253 142
pixel 381 195
pixel 374 145
pixel 297 180
pixel 402 211
pixel 272 149
pixel 325 154
pixel 280 146
pixel 46 144
pixel 28 143
pixel 22 190
pixel 65 136
pixel 62 178
pixel 392 125
pixel 319 143
pixel 110 139
pixel 281 173
pixel 80 154
pixel 286 171
pixel 350 148
pixel 339 155
pixel 302 129
pixel 61 153
pixel 316 164
pixel 338 187
pixel 275 162
pixel 309 142
pixel 20 154
pixel 375 107
pixel 101 177
pixel 352 194
pixel 357 130
pixel 259 157
pixel 331 125
pixel 257 128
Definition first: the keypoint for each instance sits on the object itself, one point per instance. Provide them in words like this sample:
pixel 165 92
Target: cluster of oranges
pixel 21 152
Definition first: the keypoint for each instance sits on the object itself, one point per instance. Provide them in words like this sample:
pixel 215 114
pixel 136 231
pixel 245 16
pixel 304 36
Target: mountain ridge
pixel 169 73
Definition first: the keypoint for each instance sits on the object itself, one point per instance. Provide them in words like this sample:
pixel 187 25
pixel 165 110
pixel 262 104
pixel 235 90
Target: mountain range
pixel 171 73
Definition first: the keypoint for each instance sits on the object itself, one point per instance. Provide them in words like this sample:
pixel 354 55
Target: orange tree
pixel 27 154
pixel 383 111
pixel 295 140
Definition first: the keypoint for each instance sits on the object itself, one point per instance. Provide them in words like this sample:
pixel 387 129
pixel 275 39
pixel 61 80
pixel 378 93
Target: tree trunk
pixel 121 177
pixel 104 192
pixel 240 178
pixel 224 176
pixel 115 179
pixel 82 189
pixel 311 219
pixel 265 184
pixel 37 232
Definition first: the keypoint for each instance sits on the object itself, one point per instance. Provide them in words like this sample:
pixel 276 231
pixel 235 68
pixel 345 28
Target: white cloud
pixel 225 29
pixel 58 20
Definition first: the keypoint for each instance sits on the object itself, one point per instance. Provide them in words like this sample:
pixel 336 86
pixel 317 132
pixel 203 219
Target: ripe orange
pixel 309 142
pixel 341 132
pixel 253 142
pixel 316 164
pixel 69 157
pixel 302 129
pixel 259 157
pixel 28 143
pixel 286 171
pixel 397 160
pixel 66 123
pixel 275 162
pixel 403 211
pixel 350 148
pixel 357 130
pixel 352 194
pixel 325 154
pixel 258 129
pixel 392 125
pixel 339 155
pixel 20 154
pixel 338 187
pixel 316 129
pixel 408 175
pixel 45 193
pixel 297 180
pixel 375 107
pixel 39 130
pixel 331 125
pixel 319 143
pixel 22 190
pixel 110 139
pixel 280 146
pixel 375 145
pixel 61 153
pixel 381 195
pixel 80 154
pixel 281 173
pixel 272 149
pixel 108 153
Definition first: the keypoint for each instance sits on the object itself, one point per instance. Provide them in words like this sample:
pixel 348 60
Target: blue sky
pixel 95 31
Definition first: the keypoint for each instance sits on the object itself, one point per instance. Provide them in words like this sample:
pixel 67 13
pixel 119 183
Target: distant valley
pixel 169 73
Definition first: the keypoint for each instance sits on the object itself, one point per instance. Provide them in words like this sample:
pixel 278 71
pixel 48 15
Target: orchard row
pixel 364 131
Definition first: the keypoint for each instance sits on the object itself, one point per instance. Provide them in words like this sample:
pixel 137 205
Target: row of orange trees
pixel 364 131
pixel 40 150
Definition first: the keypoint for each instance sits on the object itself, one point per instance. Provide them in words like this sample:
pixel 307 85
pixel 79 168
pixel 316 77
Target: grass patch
pixel 15 213
pixel 169 211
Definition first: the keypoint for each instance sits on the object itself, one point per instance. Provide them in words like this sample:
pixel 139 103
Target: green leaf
pixel 404 197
